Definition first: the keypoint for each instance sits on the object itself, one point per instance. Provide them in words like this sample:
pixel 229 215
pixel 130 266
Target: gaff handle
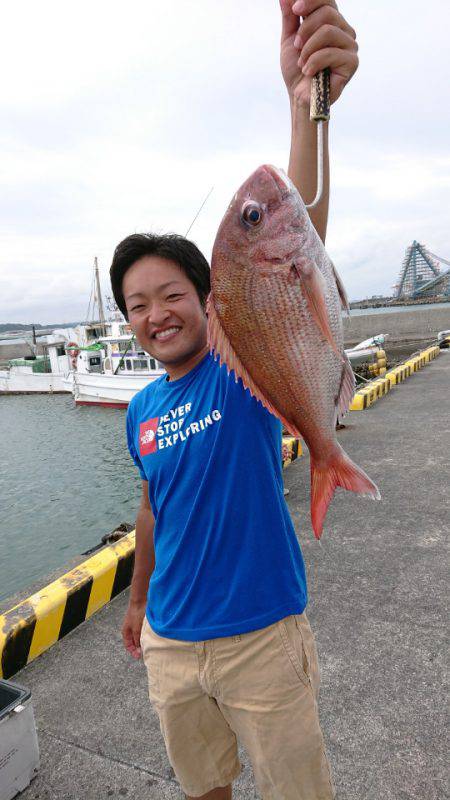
pixel 319 113
pixel 320 96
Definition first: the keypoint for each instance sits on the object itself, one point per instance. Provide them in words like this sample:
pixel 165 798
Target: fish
pixel 275 319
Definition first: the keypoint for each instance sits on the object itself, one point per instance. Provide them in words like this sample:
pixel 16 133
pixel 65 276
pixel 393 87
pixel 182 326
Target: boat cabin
pixel 117 355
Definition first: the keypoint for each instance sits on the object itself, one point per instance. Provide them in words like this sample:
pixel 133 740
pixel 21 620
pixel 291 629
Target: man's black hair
pixel 170 246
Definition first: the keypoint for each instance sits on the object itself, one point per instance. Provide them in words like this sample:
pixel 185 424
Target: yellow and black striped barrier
pixel 366 396
pixel 32 626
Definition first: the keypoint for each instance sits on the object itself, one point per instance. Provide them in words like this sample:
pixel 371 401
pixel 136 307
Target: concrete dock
pixel 410 324
pixel 377 603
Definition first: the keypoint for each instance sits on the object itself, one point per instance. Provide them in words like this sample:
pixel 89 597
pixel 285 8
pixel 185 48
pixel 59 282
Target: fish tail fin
pixel 339 470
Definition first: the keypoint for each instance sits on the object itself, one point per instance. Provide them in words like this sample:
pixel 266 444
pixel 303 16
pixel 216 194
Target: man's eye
pixel 135 308
pixel 173 296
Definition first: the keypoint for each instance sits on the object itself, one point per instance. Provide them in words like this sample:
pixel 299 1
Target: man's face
pixel 164 310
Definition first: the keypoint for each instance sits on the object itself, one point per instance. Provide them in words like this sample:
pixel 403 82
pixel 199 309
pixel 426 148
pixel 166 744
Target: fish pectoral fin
pixel 314 287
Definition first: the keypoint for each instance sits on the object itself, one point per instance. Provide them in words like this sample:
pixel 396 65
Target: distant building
pixel 421 275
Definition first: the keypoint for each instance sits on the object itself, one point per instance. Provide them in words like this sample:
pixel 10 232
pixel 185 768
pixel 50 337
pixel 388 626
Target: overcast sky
pixel 119 117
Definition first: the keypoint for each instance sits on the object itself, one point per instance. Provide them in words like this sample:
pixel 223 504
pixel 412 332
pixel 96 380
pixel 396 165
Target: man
pixel 223 632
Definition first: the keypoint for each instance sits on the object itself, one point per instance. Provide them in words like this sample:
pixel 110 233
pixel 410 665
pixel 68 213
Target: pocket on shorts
pixel 294 647
pixel 309 646
pixel 149 657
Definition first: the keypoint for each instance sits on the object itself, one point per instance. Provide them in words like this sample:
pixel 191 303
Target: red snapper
pixel 274 318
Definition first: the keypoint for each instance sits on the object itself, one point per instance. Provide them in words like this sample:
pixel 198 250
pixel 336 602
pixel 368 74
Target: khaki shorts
pixel 259 687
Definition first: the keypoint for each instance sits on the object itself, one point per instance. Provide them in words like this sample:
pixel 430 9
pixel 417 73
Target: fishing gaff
pixel 320 113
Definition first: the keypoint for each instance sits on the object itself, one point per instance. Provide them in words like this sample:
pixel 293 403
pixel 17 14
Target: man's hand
pixel 131 628
pixel 324 39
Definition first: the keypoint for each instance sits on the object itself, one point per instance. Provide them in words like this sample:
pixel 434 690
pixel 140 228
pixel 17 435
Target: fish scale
pixel 274 317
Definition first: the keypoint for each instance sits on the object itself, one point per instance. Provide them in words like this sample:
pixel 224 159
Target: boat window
pixel 140 363
pixel 152 363
pixel 128 363
pixel 123 346
pixel 94 361
pixel 60 351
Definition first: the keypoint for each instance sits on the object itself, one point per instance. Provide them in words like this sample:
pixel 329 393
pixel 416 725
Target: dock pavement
pixel 377 604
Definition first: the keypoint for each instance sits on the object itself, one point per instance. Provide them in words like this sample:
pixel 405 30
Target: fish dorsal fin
pixel 219 342
pixel 346 389
pixel 314 289
pixel 341 290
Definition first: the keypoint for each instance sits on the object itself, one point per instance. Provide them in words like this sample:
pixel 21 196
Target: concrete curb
pixel 36 623
pixel 32 626
pixel 365 397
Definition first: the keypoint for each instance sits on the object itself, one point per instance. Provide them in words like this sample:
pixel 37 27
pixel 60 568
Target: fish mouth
pixel 280 179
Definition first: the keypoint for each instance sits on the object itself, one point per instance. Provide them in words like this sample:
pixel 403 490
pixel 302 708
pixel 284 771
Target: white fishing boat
pixel 109 366
pixel 39 374
pixel 99 362
pixel 374 341
pixel 111 372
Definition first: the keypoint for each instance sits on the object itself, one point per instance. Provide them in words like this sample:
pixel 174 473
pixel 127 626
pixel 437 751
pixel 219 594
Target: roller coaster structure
pixel 421 276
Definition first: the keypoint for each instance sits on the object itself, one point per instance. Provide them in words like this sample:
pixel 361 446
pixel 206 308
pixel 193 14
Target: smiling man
pixel 175 331
pixel 218 595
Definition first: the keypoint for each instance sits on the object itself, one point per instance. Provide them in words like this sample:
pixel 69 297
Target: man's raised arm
pixel 324 39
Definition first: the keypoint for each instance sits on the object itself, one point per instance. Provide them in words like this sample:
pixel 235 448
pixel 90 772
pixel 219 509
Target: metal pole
pixel 320 113
pixel 99 298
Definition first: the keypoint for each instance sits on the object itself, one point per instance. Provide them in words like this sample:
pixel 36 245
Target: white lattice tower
pixel 418 267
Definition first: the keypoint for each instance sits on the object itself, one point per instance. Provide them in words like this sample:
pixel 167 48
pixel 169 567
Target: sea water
pixel 66 479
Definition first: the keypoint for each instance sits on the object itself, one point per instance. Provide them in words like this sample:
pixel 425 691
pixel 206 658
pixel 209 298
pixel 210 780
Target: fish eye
pixel 252 213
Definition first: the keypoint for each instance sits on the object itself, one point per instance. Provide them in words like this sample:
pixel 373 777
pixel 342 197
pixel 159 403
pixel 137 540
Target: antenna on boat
pixel 198 212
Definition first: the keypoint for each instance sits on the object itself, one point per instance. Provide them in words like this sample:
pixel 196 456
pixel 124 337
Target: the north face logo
pixel 147 436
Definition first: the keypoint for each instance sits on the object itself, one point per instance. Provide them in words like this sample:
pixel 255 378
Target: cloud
pixel 121 118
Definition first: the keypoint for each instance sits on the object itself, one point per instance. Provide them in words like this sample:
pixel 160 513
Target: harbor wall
pixel 401 326
pixel 19 349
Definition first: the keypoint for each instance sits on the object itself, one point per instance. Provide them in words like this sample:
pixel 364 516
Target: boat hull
pixel 31 383
pixel 113 391
pixel 104 403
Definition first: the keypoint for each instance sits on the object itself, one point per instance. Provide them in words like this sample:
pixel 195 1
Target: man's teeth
pixel 164 334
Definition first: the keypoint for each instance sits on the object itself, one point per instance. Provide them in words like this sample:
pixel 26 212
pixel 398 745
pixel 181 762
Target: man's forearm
pixel 144 558
pixel 303 164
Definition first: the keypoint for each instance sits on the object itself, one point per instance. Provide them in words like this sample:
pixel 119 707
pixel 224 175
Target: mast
pixel 98 292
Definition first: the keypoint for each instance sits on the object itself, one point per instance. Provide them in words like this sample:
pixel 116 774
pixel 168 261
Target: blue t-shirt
pixel 227 559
